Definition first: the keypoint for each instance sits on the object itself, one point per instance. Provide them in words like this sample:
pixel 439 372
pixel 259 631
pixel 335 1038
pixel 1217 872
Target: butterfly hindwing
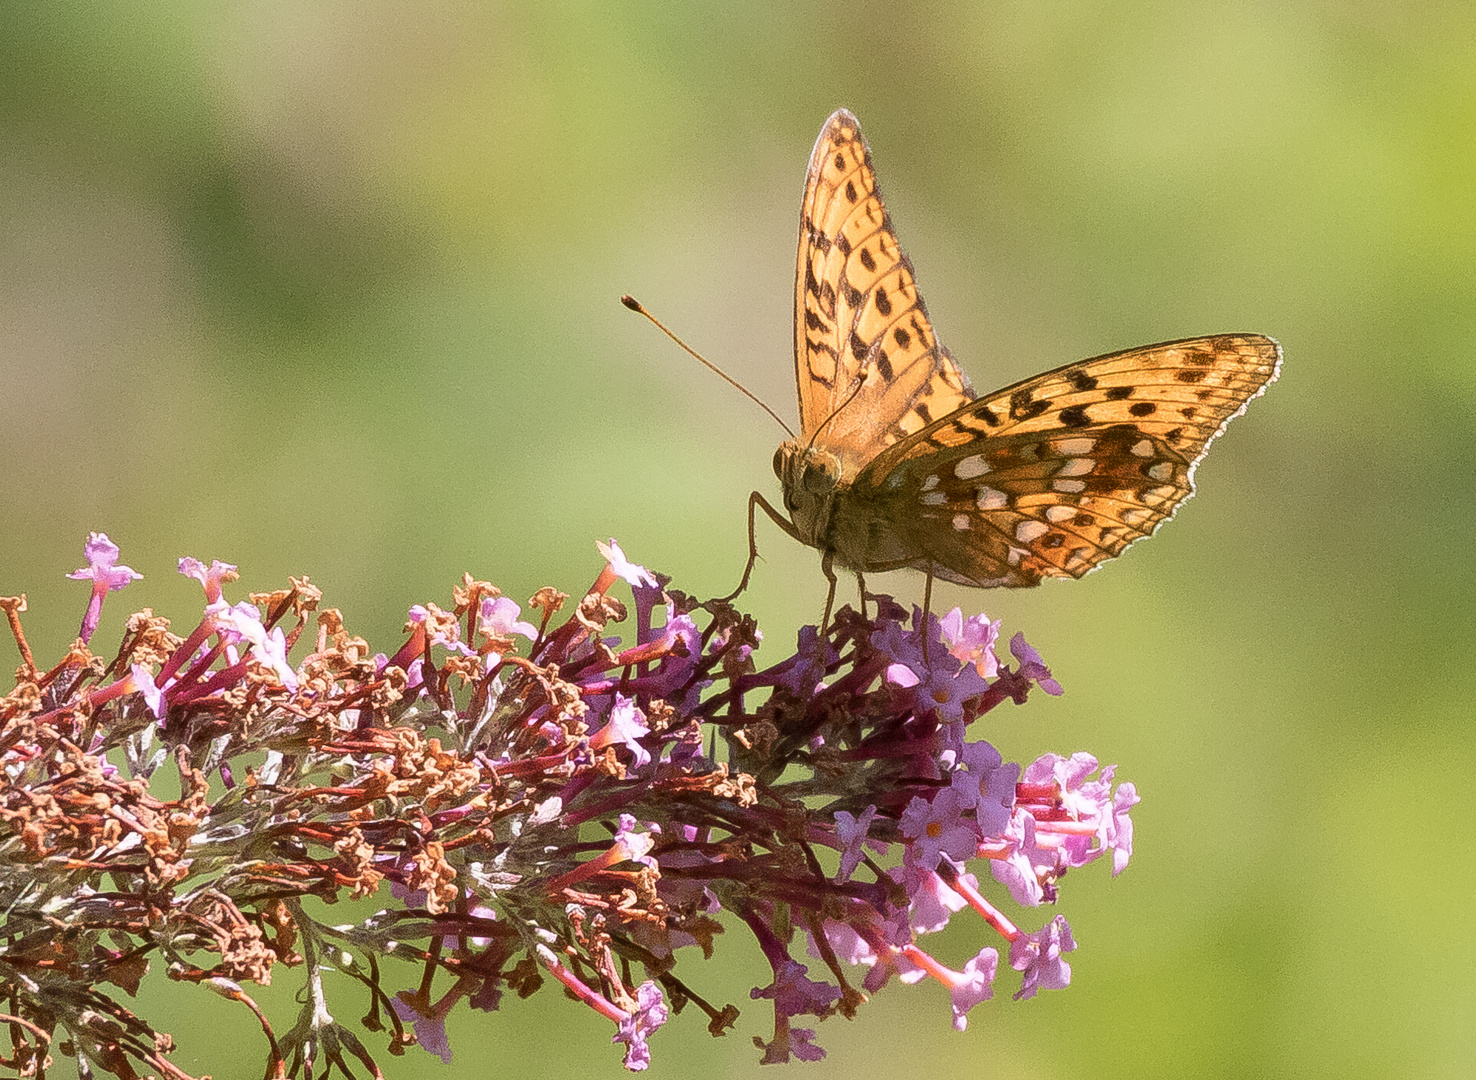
pixel 1056 474
pixel 858 313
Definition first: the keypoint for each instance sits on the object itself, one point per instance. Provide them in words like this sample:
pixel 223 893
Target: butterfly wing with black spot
pixel 858 313
pixel 1058 473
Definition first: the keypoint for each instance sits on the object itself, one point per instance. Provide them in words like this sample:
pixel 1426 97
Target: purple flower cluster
pixel 547 800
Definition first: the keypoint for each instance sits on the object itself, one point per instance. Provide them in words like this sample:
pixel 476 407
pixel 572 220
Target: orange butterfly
pixel 899 464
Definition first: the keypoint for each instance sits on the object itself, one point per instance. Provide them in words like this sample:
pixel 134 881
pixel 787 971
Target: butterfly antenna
pixel 636 306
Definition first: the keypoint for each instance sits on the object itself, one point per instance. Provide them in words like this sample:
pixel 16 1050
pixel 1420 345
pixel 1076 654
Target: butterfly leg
pixel 829 572
pixel 927 607
pixel 861 585
pixel 755 500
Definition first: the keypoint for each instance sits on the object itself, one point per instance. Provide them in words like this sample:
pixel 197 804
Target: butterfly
pixel 900 465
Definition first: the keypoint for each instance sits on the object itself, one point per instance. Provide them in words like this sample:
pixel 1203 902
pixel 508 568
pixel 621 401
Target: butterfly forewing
pixel 1056 474
pixel 858 314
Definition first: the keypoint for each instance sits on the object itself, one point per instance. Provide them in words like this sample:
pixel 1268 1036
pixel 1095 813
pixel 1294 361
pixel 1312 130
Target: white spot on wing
pixel 970 467
pixel 1070 487
pixel 1073 447
pixel 1028 531
pixel 930 483
pixel 934 498
pixel 1059 514
pixel 961 522
pixel 1077 467
pixel 1143 448
pixel 987 498
pixel 1163 470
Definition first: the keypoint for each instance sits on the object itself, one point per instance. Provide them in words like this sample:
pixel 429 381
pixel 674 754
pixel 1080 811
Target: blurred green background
pixel 332 289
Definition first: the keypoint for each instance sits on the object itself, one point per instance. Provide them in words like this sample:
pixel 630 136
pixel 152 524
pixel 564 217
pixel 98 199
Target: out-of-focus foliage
pixel 269 269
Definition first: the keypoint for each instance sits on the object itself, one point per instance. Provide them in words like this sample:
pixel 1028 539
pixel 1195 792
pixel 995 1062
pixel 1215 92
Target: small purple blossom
pixel 153 695
pixel 681 641
pixel 626 727
pixel 414 675
pixel 985 785
pixel 237 622
pixel 633 574
pixel 812 656
pixel 273 653
pixel 635 846
pixel 851 832
pixel 102 569
pixel 1031 666
pixel 931 902
pixel 938 681
pixel 937 828
pixel 1026 864
pixel 106 576
pixel 975 985
pixel 243 623
pixel 1116 829
pixel 947 690
pixel 902 676
pixel 846 943
pixel 795 994
pixel 642 1022
pixel 500 616
pixel 1089 799
pixel 429 1020
pixel 802 1045
pixel 1040 957
pixel 971 640
pixel 901 646
pixel 797 1042
pixel 211 577
pixel 1072 776
pixel 880 947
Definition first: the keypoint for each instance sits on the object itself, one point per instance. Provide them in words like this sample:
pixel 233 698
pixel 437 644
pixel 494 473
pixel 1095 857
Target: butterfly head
pixel 809 477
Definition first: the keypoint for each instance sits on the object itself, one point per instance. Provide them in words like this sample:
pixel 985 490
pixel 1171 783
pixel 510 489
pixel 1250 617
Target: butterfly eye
pixel 779 463
pixel 821 474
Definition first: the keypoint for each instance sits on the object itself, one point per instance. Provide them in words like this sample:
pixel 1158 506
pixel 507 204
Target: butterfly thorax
pixel 809 477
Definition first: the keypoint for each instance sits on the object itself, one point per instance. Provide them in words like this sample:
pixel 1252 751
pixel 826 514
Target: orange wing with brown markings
pixel 1058 473
pixel 858 314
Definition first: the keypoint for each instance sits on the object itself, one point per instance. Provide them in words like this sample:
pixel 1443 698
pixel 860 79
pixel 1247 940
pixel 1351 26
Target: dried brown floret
pixel 471 592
